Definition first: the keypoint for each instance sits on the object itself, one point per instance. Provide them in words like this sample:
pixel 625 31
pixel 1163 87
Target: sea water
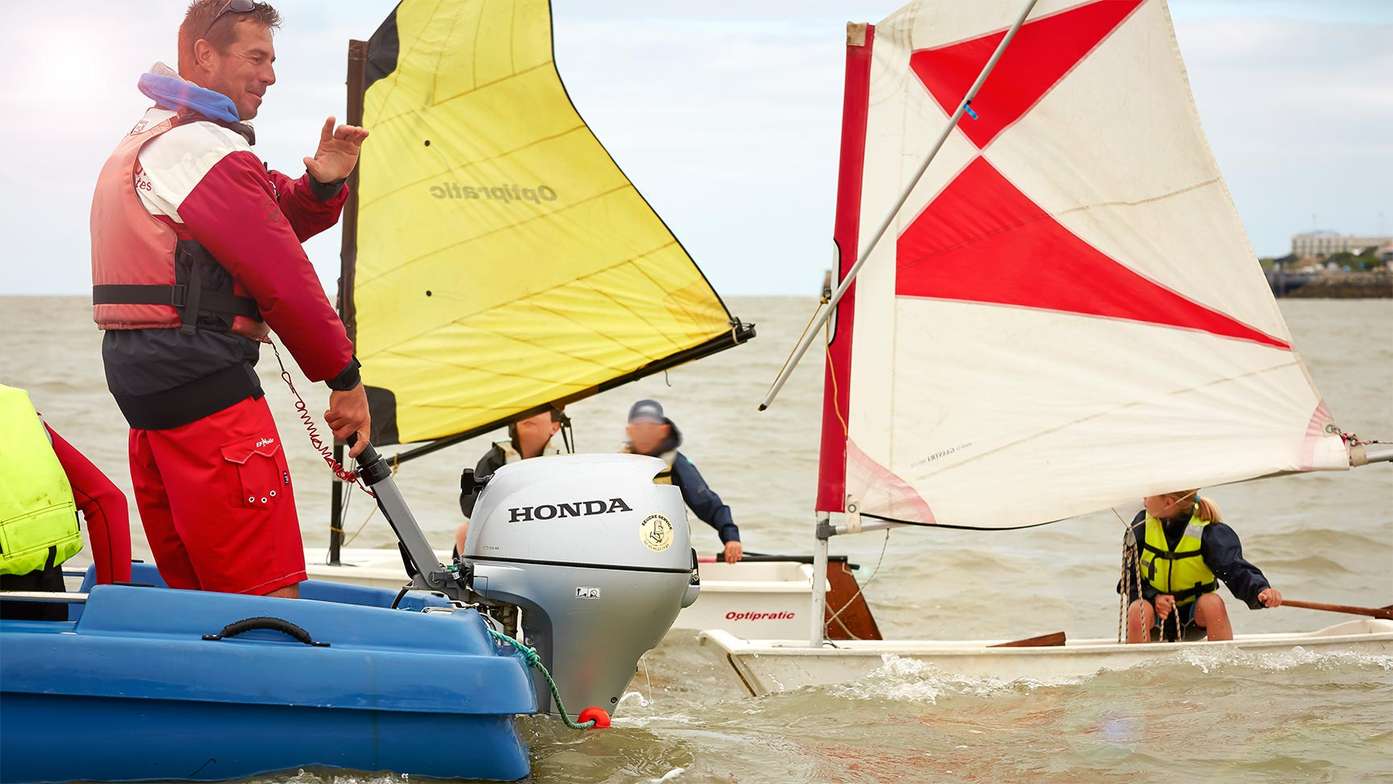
pixel 1293 716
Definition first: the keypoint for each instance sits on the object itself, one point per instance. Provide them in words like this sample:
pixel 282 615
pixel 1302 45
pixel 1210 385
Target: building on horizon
pixel 1328 243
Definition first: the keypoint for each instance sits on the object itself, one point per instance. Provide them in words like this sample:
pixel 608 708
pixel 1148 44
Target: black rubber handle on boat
pixel 266 622
pixel 371 466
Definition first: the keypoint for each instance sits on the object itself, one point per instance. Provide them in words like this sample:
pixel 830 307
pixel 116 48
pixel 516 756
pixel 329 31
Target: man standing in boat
pixel 651 433
pixel 195 254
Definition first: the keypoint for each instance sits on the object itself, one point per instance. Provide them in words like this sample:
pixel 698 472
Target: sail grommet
pixel 853 516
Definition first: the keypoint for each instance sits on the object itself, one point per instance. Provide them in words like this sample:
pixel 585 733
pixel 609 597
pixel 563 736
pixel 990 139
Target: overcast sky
pixel 725 114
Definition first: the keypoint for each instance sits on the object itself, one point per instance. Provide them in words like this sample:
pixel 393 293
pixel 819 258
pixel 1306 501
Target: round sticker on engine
pixel 656 532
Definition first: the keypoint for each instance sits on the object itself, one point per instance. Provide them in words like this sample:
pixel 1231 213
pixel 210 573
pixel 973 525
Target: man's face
pixel 646 436
pixel 534 432
pixel 243 71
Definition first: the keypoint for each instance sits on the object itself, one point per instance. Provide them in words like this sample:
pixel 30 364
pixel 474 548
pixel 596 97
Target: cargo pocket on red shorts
pixel 263 477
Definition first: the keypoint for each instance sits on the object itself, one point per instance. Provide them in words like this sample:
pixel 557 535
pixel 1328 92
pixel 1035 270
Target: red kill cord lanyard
pixel 316 441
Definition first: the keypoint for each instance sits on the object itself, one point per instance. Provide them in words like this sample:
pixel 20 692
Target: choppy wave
pixel 904 679
pixel 1328 540
pixel 659 719
pixel 1311 564
pixel 1219 658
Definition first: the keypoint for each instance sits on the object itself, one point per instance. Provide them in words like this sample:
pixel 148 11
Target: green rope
pixel 535 659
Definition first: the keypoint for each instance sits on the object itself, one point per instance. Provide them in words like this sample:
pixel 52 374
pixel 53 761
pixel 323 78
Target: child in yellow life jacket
pixel 1183 549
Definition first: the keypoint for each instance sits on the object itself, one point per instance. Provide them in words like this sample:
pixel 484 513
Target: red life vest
pixel 143 275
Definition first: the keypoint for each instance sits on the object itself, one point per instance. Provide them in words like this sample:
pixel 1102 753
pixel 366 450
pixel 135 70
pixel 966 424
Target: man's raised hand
pixel 337 153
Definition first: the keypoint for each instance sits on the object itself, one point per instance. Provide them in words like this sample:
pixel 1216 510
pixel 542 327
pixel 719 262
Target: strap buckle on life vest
pixel 190 311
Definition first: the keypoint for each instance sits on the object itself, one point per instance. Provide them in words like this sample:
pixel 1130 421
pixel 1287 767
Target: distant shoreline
pixel 1331 285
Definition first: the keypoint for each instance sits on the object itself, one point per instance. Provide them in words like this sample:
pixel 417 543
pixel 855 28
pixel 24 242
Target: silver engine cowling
pixel 597 556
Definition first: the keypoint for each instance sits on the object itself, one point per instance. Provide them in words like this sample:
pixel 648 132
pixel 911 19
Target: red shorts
pixel 216 502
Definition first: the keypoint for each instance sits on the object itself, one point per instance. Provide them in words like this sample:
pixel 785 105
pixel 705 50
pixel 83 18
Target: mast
pixel 348 252
pixel 831 493
pixel 836 384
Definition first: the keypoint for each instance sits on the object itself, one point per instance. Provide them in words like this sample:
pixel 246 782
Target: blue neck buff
pixel 162 85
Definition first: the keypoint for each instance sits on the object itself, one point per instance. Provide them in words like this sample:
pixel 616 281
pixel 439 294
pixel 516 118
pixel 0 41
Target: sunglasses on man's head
pixel 230 7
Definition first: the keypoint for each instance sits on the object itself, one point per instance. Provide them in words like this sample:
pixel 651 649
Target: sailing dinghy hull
pixel 764 598
pixel 419 690
pixel 773 666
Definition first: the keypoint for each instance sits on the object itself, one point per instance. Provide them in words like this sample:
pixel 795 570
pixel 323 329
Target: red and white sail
pixel 1066 314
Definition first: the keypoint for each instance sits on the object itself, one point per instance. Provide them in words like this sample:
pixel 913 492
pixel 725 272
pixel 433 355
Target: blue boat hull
pixel 131 690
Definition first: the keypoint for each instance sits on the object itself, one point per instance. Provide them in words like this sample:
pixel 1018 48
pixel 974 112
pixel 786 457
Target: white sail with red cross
pixel 1066 314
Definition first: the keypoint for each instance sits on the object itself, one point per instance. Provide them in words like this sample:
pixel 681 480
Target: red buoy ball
pixel 600 715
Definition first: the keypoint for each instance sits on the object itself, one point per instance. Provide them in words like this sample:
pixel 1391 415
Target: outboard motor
pixel 597 556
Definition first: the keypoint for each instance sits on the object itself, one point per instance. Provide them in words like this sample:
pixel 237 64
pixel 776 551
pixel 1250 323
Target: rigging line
pixel 822 302
pixel 859 590
pixel 1351 439
pixel 371 514
pixel 836 393
pixel 1127 588
pixel 345 492
pixel 954 527
pixel 363 525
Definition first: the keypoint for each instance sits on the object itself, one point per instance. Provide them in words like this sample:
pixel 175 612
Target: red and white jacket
pixel 185 215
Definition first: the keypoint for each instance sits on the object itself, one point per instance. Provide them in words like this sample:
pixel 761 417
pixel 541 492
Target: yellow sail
pixel 503 261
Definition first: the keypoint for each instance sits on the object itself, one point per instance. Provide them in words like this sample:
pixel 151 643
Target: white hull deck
pixel 772 666
pixel 756 599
